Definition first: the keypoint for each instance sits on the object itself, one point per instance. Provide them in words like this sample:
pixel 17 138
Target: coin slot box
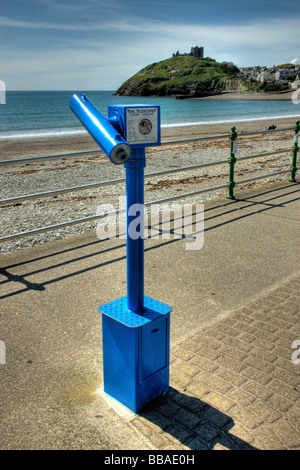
pixel 141 123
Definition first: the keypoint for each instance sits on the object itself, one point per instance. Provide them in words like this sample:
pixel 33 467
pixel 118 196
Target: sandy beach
pixel 12 149
pixel 69 172
pixel 252 96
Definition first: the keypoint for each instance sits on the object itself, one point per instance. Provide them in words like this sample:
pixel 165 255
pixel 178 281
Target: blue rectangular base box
pixel 135 351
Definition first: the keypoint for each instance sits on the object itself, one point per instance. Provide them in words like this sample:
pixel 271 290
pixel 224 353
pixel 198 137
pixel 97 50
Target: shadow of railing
pixel 192 422
pixel 231 212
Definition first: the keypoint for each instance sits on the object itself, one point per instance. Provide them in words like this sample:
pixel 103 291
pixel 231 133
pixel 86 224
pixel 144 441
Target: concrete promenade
pixel 235 335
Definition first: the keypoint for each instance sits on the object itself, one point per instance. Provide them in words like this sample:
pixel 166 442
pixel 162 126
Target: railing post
pixel 232 161
pixel 295 153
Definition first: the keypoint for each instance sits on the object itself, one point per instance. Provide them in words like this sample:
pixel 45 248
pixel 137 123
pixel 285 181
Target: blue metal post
pixel 135 246
pixel 135 328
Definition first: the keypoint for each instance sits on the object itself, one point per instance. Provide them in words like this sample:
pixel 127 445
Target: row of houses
pixel 284 74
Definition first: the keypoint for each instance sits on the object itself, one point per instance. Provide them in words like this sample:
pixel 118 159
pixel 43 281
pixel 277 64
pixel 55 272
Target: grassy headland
pixel 183 75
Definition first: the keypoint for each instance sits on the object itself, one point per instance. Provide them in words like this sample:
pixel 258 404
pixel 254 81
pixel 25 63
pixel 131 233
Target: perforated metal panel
pixel 118 310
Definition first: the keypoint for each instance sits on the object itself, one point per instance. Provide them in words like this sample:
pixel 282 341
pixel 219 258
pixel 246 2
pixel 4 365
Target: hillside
pixel 183 76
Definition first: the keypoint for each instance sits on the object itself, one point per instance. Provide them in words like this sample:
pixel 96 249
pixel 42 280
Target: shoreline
pixel 13 149
pixel 249 96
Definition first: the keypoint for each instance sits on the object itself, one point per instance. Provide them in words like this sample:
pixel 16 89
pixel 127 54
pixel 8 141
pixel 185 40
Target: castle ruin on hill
pixel 195 52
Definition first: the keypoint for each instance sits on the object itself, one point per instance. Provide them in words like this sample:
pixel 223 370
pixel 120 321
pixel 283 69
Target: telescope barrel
pixel 100 128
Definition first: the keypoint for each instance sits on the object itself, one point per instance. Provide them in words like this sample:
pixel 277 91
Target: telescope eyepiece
pixel 120 154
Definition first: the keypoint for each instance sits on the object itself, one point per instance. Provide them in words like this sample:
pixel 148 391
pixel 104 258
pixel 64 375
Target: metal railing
pixel 232 160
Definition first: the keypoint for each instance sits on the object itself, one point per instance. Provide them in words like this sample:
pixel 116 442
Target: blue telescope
pixel 135 328
pixel 104 131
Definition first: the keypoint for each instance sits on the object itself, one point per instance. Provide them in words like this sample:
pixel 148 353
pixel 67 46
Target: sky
pixel 98 44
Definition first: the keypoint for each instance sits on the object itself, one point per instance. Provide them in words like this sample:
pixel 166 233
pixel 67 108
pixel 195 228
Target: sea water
pixel 35 114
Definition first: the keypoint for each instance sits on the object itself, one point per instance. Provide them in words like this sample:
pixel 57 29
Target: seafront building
pixel 287 73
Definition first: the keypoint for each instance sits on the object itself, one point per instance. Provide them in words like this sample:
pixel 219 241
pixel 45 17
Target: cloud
pixel 24 24
pixel 295 61
pixel 103 54
pixel 260 33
